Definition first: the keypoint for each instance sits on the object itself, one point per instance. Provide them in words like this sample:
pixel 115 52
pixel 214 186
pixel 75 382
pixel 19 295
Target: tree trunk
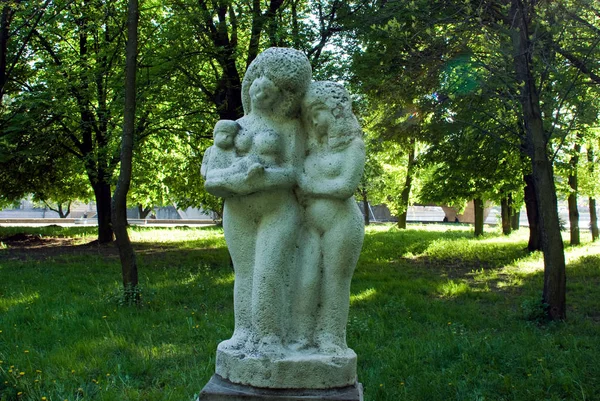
pixel 478 208
pixel 573 212
pixel 103 211
pixel 365 200
pixel 513 213
pixel 554 294
pixel 593 218
pixel 296 40
pixel 405 195
pixel 143 212
pixel 119 209
pixel 4 35
pixel 592 200
pixel 61 213
pixel 515 220
pixel 533 216
pixel 572 200
pixel 505 214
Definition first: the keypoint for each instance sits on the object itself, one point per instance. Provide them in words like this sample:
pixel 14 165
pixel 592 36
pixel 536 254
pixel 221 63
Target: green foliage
pixel 385 172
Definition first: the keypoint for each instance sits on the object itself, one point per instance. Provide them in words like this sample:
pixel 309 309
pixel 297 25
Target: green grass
pixel 435 315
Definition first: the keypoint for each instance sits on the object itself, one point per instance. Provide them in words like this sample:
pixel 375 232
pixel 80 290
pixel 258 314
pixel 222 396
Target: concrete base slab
pixel 219 389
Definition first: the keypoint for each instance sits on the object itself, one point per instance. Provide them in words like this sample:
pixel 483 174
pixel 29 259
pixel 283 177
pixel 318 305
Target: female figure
pixel 261 213
pixel 334 227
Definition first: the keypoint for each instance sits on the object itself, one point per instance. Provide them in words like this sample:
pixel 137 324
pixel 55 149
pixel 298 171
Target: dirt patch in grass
pixel 452 267
pixel 466 270
pixel 23 246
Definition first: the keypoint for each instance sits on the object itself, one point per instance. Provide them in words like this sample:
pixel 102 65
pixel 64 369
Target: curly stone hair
pixel 337 99
pixel 289 69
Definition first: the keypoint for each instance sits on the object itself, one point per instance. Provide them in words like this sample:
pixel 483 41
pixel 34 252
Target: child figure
pixel 222 154
pixel 263 150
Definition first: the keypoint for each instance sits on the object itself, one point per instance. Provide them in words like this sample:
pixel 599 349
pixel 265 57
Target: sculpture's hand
pixel 304 184
pixel 255 170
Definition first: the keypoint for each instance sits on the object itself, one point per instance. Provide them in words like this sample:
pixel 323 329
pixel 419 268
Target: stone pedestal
pixel 219 389
pixel 304 370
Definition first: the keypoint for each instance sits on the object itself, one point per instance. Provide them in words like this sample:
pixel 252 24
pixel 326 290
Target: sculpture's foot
pixel 270 344
pixel 300 345
pixel 236 342
pixel 330 344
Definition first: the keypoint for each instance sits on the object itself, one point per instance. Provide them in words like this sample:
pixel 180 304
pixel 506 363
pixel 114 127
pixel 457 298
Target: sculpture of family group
pixel 287 171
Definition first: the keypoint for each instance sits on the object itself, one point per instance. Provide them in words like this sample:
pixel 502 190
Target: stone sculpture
pixel 287 171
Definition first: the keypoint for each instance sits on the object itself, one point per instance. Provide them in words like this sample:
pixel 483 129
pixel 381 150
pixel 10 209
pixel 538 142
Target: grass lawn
pixel 435 315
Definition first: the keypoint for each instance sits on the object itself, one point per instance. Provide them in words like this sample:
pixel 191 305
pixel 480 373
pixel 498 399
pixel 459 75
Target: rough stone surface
pixel 287 171
pixel 219 389
pixel 304 370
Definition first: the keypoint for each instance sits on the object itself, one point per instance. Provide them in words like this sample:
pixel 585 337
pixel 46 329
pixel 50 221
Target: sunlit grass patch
pixel 7 303
pixel 494 251
pixel 452 288
pixel 176 235
pixel 226 280
pixel 362 296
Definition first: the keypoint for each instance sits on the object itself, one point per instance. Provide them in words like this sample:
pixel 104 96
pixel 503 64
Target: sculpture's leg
pixel 341 246
pixel 239 233
pixel 307 288
pixel 275 249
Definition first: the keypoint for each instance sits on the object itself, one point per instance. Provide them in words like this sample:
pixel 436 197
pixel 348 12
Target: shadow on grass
pixel 583 287
pixel 26 246
pixel 449 255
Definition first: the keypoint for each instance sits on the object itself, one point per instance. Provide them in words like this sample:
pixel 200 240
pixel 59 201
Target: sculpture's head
pixel 276 81
pixel 264 94
pixel 327 109
pixel 225 132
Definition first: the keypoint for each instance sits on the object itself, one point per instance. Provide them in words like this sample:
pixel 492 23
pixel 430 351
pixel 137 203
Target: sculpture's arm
pixel 279 177
pixel 225 182
pixel 342 186
pixel 234 180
